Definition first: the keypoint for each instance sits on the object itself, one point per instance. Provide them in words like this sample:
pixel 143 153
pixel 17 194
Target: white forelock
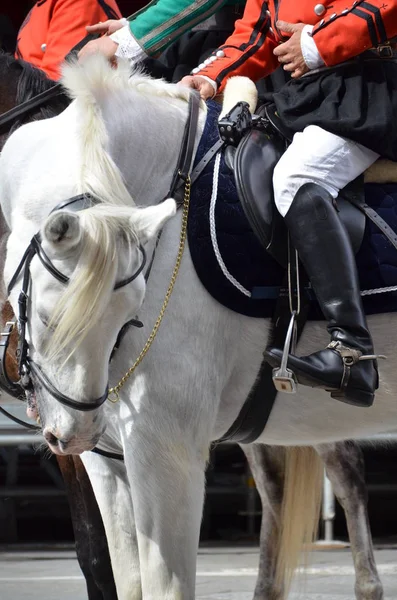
pixel 86 297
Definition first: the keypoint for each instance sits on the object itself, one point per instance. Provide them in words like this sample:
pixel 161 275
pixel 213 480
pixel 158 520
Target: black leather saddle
pixel 256 145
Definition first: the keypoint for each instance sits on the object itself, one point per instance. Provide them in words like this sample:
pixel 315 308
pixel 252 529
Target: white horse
pixel 120 140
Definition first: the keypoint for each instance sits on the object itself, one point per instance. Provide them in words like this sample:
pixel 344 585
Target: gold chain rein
pixel 113 394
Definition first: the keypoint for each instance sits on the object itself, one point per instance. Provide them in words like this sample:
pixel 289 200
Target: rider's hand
pixel 107 27
pixel 104 45
pixel 200 84
pixel 289 53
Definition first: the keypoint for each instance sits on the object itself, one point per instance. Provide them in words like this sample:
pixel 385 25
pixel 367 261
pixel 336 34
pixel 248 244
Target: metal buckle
pixel 284 379
pixel 352 356
pixel 10 326
pixel 385 51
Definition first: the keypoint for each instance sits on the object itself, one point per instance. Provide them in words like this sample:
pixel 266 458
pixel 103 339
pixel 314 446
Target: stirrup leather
pixel 350 357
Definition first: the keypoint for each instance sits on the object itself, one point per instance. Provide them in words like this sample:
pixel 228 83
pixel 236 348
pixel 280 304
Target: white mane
pixel 88 83
pixel 85 298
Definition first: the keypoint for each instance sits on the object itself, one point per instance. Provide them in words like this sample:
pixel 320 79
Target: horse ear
pixel 148 221
pixel 62 231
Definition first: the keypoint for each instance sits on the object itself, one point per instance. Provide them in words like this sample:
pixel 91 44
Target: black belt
pixel 384 51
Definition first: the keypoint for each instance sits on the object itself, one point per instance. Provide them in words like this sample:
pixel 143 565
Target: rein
pixel 181 176
pixel 8 118
pixel 114 391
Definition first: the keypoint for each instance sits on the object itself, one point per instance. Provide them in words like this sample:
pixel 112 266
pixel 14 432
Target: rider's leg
pixel 307 179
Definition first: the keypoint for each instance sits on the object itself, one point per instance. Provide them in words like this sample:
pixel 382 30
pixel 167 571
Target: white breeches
pixel 317 156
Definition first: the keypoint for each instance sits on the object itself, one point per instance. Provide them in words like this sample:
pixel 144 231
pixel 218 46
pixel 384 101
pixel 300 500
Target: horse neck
pixel 144 142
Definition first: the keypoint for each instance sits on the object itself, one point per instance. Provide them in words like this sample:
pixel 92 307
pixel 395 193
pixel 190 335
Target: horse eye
pixel 44 318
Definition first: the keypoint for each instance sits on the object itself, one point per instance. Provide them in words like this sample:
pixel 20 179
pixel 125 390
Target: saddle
pixel 254 146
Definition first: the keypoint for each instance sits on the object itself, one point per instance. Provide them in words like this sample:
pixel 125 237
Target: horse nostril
pixel 50 438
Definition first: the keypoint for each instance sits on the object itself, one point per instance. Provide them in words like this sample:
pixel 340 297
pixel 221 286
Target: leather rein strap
pixel 186 152
pixel 8 118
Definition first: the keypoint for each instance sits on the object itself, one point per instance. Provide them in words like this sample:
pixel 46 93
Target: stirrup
pixel 284 379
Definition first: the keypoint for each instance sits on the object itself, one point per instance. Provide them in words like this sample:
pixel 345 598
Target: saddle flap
pixel 254 162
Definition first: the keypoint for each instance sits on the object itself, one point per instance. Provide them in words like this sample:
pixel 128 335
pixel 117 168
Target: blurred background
pixel 34 509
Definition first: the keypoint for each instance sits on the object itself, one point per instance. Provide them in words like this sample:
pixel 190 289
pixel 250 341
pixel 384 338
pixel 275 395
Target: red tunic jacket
pixel 341 31
pixel 54 27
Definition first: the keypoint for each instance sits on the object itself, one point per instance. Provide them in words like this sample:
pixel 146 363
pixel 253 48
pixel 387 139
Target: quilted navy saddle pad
pixel 238 272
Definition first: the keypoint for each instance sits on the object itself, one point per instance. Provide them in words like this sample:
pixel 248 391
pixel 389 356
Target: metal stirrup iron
pixel 283 378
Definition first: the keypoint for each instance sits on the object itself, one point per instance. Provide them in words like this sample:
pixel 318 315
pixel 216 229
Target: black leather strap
pixel 77 203
pixel 185 157
pixel 19 421
pixel 199 168
pixel 256 410
pixel 88 38
pixel 8 118
pixel 46 383
pixel 107 454
pixel 26 258
pixel 45 261
pixel 378 221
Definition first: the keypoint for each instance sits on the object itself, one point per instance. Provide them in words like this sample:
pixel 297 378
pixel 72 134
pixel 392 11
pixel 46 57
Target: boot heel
pixel 355 397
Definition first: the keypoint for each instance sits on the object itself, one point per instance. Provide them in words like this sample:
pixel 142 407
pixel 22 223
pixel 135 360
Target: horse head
pixel 119 140
pixel 86 282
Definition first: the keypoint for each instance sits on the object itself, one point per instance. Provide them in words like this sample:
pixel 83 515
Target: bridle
pixel 26 366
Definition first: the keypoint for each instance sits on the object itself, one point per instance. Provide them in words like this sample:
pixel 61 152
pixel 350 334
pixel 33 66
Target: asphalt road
pixel 223 574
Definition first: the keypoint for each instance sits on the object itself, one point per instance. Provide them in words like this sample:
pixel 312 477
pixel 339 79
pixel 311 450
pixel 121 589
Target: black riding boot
pixel 346 367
